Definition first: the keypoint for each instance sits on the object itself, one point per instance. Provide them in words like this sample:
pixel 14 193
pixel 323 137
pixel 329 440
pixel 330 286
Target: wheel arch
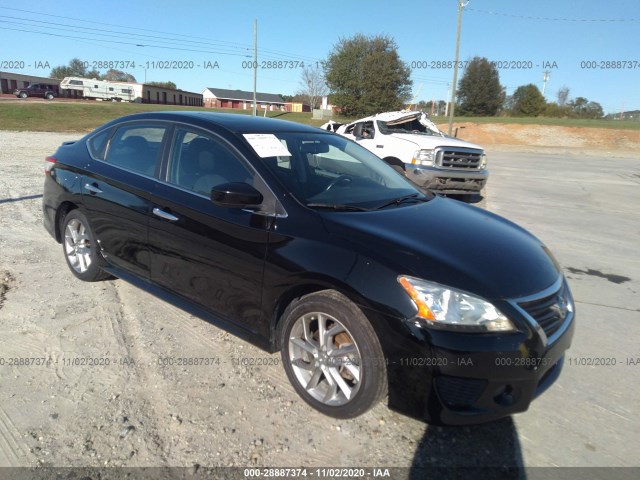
pixel 394 161
pixel 62 211
pixel 300 290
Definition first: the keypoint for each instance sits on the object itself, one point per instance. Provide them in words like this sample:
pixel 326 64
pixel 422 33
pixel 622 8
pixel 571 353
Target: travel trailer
pixel 103 89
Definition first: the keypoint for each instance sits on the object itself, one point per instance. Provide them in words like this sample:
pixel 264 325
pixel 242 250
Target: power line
pixel 48 15
pixel 555 19
pixel 122 43
pixel 226 45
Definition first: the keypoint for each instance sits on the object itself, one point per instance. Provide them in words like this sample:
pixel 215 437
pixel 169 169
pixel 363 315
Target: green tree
pixel 583 108
pixel 118 76
pixel 594 110
pixel 555 110
pixel 527 101
pixel 163 85
pixel 75 68
pixel 367 76
pixel 479 91
pixel 579 106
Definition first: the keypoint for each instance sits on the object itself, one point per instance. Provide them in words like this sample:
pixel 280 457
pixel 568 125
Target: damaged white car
pixel 413 145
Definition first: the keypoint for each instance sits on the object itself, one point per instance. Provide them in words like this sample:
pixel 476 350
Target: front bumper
pixel 447 180
pixel 454 378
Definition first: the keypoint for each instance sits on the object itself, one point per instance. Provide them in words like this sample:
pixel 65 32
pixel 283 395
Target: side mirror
pixel 357 131
pixel 236 195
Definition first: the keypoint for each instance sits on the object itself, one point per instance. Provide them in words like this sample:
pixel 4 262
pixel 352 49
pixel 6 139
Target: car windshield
pixel 405 125
pixel 329 171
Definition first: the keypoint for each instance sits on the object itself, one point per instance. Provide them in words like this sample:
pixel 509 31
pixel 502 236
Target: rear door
pixel 211 255
pixel 117 193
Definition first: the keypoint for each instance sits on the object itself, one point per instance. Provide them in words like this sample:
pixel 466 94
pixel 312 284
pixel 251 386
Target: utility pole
pixel 545 79
pixel 461 5
pixel 446 105
pixel 255 66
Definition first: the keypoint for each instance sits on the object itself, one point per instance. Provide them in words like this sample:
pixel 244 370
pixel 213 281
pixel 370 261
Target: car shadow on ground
pixel 490 451
pixel 20 199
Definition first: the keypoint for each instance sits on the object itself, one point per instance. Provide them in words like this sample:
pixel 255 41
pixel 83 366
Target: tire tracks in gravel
pixel 148 406
pixel 12 449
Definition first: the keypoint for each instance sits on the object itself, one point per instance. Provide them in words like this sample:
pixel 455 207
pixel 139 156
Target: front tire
pixel 22 95
pixel 332 355
pixel 80 248
pixel 478 199
pixel 399 169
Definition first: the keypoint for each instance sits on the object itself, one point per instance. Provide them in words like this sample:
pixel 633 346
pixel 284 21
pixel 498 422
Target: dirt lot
pixel 550 139
pixel 96 390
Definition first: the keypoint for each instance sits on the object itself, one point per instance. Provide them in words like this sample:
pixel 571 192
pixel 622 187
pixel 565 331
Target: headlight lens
pixel 483 161
pixel 446 307
pixel 424 157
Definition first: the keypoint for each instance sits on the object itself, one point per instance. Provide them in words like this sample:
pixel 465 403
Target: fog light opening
pixel 506 397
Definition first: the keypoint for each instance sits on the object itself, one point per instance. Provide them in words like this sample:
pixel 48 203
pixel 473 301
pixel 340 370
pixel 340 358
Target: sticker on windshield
pixel 267 145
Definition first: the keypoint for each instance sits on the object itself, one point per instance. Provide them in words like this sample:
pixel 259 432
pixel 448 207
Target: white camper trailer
pixel 103 89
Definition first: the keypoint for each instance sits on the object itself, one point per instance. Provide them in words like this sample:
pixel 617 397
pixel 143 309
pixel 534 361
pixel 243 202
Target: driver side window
pixel 199 162
pixel 368 130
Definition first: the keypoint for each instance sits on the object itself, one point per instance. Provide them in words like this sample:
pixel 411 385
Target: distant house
pixel 223 98
pixel 169 96
pixel 143 93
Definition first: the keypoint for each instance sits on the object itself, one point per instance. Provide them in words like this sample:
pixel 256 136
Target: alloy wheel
pixel 325 359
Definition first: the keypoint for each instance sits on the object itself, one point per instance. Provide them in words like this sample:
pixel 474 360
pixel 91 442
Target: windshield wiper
pixel 338 207
pixel 397 201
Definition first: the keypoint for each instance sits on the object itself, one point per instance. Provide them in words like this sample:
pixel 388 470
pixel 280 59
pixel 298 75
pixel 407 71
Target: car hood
pixel 434 141
pixel 451 243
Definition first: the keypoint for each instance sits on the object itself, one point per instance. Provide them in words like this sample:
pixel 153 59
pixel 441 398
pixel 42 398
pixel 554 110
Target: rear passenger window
pixel 98 144
pixel 199 162
pixel 136 148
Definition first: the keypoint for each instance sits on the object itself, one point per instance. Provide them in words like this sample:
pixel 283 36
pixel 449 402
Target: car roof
pixel 233 122
pixel 390 116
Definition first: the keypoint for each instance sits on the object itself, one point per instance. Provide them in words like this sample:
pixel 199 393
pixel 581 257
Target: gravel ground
pixel 134 411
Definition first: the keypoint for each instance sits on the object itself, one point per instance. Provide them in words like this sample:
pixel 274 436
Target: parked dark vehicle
pixel 302 241
pixel 43 90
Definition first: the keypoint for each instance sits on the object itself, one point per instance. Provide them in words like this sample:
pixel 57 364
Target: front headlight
pixel 424 157
pixel 483 161
pixel 448 308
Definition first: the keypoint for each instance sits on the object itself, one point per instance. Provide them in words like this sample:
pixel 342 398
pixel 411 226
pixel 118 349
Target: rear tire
pixel 80 248
pixel 49 96
pixel 332 355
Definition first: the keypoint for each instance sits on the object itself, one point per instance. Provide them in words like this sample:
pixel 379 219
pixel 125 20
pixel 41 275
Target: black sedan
pixel 303 242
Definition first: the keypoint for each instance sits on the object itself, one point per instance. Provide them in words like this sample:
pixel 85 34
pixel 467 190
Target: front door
pixel 203 252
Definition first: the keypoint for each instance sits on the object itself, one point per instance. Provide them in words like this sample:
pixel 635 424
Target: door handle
pixel 92 188
pixel 164 215
pixel 379 146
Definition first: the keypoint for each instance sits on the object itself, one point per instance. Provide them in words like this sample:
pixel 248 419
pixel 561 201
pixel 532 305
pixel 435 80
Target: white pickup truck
pixel 413 145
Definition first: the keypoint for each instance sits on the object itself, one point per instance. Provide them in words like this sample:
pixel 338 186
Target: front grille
pixel 463 158
pixel 460 392
pixel 551 311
